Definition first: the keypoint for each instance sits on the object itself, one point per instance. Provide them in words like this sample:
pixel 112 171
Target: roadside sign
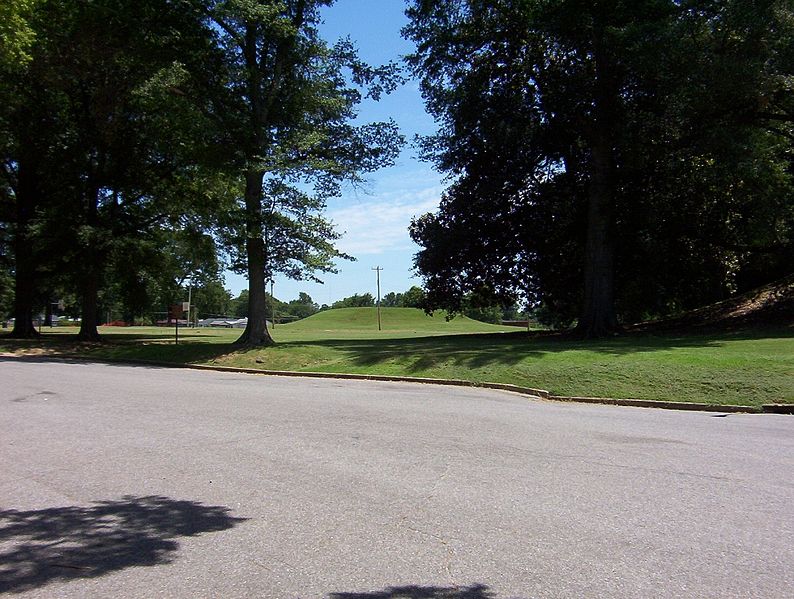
pixel 175 312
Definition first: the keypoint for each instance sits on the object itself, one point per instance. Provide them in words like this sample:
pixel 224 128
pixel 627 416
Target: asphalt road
pixel 119 481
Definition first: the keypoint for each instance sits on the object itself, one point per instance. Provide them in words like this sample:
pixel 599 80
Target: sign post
pixel 175 311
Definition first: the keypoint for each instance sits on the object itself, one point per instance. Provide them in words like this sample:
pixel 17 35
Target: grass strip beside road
pixel 750 367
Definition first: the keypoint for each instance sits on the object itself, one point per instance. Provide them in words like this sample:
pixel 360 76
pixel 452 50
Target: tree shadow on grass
pixel 128 347
pixel 39 547
pixel 70 336
pixel 476 591
pixel 416 355
pixel 509 349
pixel 70 343
pixel 164 337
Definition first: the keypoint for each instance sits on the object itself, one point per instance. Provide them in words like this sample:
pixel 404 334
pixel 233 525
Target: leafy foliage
pixel 641 146
pixel 355 301
pixel 118 148
pixel 286 107
pixel 302 307
pixel 100 154
pixel 16 33
pixel 413 298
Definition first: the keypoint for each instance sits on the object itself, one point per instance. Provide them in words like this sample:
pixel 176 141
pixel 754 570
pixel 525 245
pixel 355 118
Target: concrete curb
pixel 541 393
pixel 528 391
pixel 778 408
pixel 664 405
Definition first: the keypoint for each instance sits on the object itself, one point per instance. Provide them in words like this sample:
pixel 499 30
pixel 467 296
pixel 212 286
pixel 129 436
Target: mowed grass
pixel 362 323
pixel 749 367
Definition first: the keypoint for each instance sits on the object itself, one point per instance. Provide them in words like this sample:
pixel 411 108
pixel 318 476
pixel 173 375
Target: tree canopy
pixel 286 105
pixel 17 35
pixel 137 135
pixel 97 153
pixel 607 160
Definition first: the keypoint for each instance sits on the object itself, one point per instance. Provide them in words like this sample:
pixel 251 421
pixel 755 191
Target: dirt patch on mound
pixel 771 305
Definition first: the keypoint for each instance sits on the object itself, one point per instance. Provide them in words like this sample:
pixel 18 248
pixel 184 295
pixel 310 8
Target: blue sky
pixel 376 220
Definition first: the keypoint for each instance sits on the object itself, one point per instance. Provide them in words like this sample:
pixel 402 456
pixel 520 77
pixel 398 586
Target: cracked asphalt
pixel 123 481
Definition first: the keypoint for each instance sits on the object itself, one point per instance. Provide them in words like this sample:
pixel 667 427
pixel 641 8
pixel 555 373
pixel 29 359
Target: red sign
pixel 175 312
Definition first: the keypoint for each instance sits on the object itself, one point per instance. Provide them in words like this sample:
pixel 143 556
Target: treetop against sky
pixel 375 220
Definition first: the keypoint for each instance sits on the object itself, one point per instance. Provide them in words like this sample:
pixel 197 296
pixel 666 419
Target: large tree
pixel 29 111
pixel 97 147
pixel 601 154
pixel 287 107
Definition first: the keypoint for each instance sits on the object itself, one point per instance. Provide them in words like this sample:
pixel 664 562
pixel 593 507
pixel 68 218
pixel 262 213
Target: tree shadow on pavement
pixel 476 591
pixel 39 547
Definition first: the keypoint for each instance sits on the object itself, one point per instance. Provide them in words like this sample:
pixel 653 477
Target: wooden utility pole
pixel 377 271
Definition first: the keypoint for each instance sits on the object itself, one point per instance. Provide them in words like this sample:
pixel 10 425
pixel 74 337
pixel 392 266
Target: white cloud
pixel 381 224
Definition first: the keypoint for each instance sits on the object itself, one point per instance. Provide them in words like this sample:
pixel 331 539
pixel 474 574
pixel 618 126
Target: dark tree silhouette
pixel 64 543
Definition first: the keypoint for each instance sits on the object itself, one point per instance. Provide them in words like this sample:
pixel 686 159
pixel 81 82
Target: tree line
pixel 213 300
pixel 473 306
pixel 142 139
pixel 607 162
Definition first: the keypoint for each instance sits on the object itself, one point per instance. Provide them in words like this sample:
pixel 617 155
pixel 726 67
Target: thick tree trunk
pixel 24 289
pixel 598 316
pixel 48 313
pixel 256 332
pixel 598 312
pixel 89 290
pixel 89 307
pixel 24 258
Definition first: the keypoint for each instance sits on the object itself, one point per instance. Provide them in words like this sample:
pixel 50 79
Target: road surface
pixel 122 481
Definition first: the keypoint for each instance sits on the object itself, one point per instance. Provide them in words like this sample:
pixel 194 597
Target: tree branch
pixel 228 29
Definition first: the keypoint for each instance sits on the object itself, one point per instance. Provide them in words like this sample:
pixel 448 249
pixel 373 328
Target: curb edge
pixel 526 391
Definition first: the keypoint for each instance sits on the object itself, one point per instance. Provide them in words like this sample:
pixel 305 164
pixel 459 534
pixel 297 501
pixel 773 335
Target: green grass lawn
pixel 749 367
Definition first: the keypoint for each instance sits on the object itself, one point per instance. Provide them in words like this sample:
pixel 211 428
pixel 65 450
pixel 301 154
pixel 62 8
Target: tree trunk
pixel 89 307
pixel 256 332
pixel 24 259
pixel 24 289
pixel 89 290
pixel 598 313
pixel 598 317
pixel 48 313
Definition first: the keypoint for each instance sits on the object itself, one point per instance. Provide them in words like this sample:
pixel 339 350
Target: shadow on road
pixel 476 591
pixel 64 543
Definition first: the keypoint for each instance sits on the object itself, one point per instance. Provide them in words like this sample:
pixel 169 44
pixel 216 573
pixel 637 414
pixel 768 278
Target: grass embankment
pixel 749 367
